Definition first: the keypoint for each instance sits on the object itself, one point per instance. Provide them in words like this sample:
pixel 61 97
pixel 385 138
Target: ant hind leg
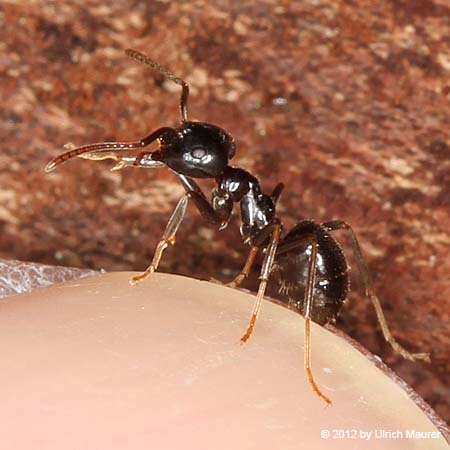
pixel 370 293
pixel 275 231
pixel 310 282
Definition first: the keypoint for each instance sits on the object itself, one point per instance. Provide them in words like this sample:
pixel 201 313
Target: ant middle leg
pixel 167 239
pixel 370 293
pixel 264 277
pixel 245 270
pixel 257 243
pixel 275 195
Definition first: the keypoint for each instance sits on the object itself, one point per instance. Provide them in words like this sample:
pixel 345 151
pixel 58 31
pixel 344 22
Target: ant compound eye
pixel 199 152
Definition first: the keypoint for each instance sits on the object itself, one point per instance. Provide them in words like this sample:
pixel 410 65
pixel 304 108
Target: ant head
pixel 197 150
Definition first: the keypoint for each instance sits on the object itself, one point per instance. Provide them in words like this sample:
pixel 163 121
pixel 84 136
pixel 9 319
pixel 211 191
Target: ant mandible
pixel 308 262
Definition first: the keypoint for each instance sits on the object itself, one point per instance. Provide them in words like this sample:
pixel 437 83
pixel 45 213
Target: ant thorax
pixel 257 209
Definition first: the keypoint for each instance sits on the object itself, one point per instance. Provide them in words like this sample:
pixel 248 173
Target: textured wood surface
pixel 348 104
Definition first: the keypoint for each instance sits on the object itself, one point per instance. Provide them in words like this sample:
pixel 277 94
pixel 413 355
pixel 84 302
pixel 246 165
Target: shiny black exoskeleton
pixel 308 262
pixel 331 280
pixel 195 149
pixel 202 150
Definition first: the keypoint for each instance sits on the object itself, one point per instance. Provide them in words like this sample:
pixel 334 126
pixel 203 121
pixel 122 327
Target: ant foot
pixel 231 284
pixel 247 335
pixel 407 355
pixel 139 278
pixel 423 356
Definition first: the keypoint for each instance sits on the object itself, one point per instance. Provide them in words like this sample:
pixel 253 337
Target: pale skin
pixel 97 363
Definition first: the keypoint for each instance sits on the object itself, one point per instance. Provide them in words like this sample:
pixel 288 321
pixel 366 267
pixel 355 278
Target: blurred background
pixel 346 103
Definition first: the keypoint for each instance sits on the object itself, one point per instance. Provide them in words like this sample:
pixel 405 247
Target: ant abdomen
pixel 292 265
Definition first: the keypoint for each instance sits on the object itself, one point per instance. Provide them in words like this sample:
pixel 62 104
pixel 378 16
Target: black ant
pixel 308 262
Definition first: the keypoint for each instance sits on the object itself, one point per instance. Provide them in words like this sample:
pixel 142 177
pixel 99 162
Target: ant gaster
pixel 308 262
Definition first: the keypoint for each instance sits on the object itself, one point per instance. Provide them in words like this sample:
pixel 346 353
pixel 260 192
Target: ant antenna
pixel 140 57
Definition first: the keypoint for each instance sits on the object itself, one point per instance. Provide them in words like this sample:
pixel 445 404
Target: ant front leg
pixel 193 191
pixel 370 293
pixel 218 212
pixel 168 238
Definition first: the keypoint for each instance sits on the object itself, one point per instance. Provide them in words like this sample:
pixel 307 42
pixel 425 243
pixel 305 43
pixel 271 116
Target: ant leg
pixel 258 241
pixel 95 151
pixel 255 248
pixel 370 293
pixel 218 213
pixel 245 270
pixel 144 59
pixel 310 282
pixel 278 189
pixel 264 277
pixel 168 238
pixel 308 303
pixel 217 216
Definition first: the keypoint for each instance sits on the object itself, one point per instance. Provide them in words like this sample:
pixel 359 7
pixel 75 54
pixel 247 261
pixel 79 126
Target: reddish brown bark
pixel 348 105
